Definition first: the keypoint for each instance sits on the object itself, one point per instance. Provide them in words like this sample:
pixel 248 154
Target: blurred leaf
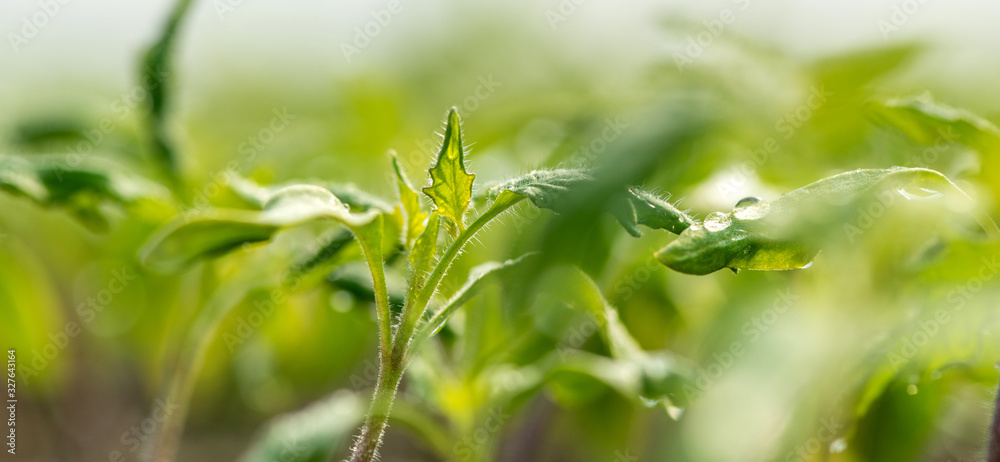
pixel 329 250
pixel 422 255
pixel 355 278
pixel 216 231
pixel 410 202
pixel 478 276
pixel 311 434
pixel 257 196
pixel 787 233
pixel 451 186
pixel 931 123
pixel 927 122
pixel 659 377
pixel 557 189
pixel 83 186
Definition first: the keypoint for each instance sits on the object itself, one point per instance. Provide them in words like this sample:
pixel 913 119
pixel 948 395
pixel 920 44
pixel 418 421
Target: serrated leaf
pixel 213 232
pixel 788 233
pixel 409 200
pixel 451 184
pixel 311 434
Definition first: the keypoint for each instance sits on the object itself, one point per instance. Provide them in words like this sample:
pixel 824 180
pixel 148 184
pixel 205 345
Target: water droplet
pixel 675 412
pixel 751 208
pixel 912 389
pixel 838 446
pixel 649 402
pixel 717 221
pixel 919 194
pixel 935 375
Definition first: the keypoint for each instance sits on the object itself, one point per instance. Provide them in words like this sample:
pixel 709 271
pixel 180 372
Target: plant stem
pixel 393 360
pixel 189 362
pixel 371 247
pixel 412 312
pixel 366 448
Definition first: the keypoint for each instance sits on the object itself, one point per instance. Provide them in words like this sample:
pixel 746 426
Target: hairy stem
pixel 371 246
pixel 393 360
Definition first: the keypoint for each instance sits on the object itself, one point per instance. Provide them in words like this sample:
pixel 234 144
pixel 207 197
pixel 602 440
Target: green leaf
pixel 422 256
pixel 788 233
pixel 359 201
pixel 213 232
pixel 311 434
pixel 355 278
pixel 332 246
pixel 410 203
pixel 451 184
pixel 84 187
pixel 557 189
pixel 547 189
pixel 931 123
pixel 478 276
pixel 657 376
pixel 655 212
pixel 928 122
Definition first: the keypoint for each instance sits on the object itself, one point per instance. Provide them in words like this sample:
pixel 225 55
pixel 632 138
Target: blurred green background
pixel 848 360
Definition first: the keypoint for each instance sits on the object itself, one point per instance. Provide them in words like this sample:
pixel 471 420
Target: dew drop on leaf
pixel 912 389
pixel 648 402
pixel 675 412
pixel 717 221
pixel 751 208
pixel 919 194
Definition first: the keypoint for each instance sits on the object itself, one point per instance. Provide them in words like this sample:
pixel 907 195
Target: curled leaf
pixel 213 232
